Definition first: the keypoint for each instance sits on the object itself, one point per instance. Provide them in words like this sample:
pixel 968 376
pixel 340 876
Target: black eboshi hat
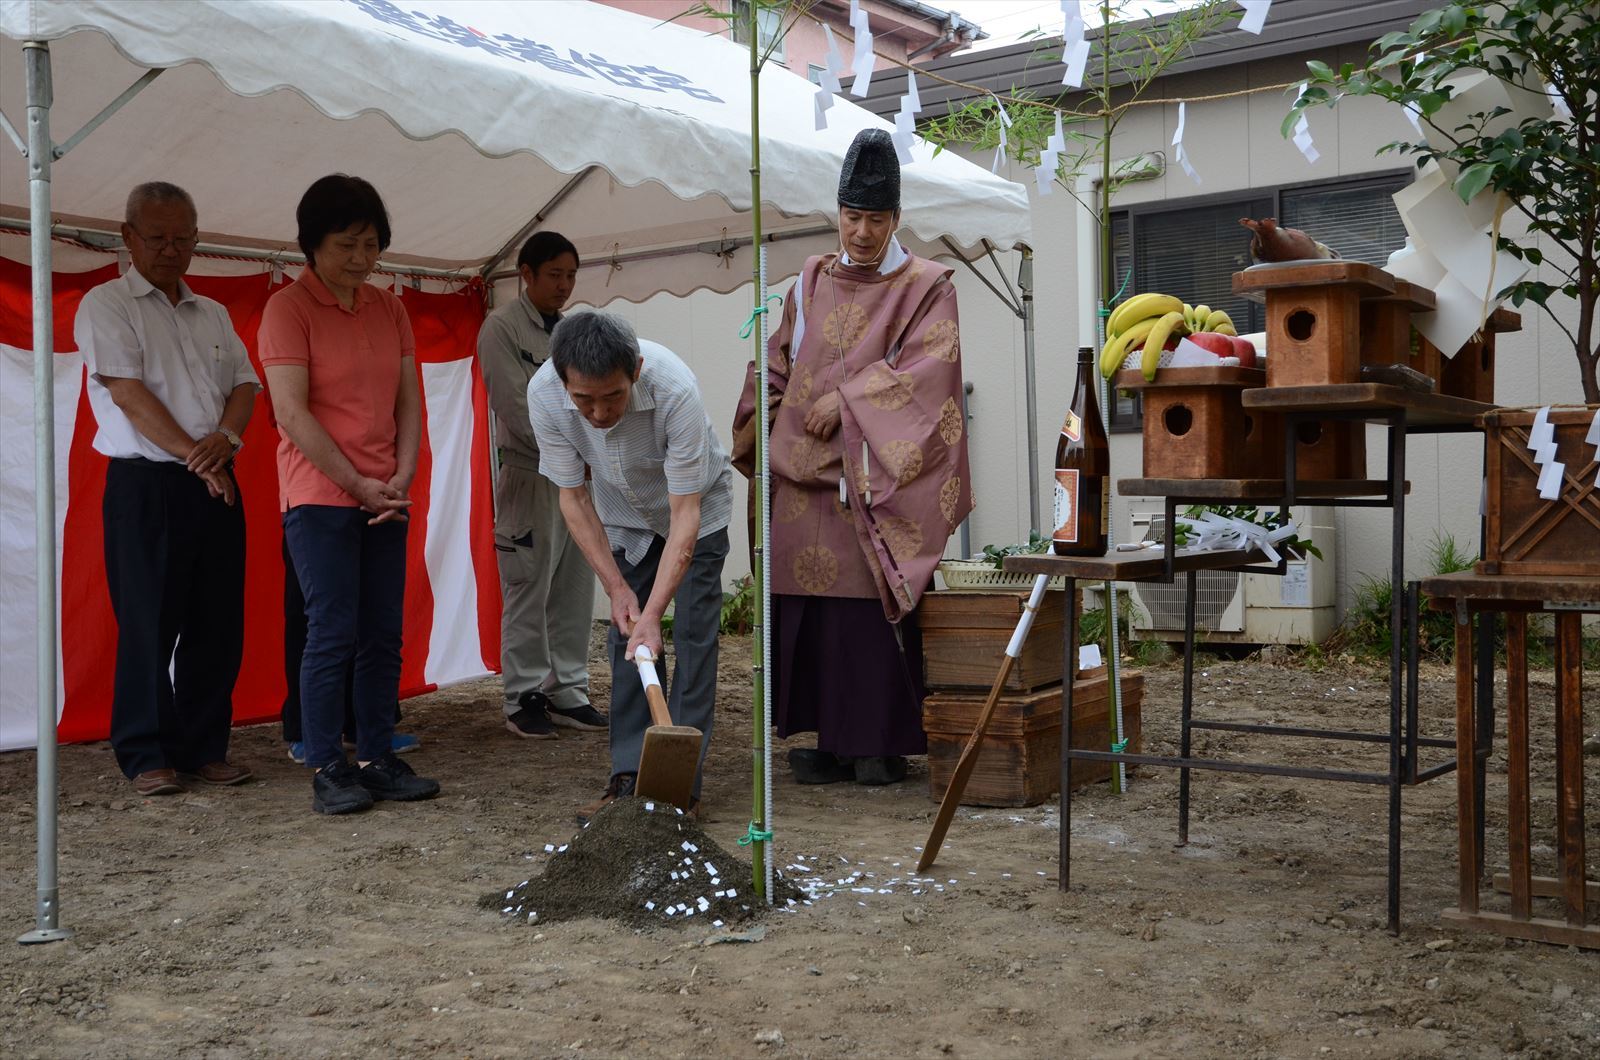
pixel 870 177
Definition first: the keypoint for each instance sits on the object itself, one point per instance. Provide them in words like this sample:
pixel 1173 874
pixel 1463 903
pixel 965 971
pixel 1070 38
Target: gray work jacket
pixel 512 344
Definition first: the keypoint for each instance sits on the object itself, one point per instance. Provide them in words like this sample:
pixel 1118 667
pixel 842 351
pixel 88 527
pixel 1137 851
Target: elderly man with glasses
pixel 172 390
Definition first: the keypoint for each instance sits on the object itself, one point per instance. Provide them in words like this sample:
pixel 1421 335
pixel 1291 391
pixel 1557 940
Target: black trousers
pixel 175 568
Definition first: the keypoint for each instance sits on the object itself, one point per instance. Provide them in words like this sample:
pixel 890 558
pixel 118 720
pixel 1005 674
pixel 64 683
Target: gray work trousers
pixel 547 604
pixel 696 621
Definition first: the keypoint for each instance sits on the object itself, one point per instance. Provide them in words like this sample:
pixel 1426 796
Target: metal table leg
pixel 1188 706
pixel 1069 666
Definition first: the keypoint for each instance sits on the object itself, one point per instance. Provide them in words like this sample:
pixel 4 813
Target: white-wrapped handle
pixel 1025 623
pixel 645 661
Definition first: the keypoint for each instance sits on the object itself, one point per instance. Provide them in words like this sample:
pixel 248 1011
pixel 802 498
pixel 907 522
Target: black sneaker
pixel 584 718
pixel 811 766
pixel 877 771
pixel 531 722
pixel 620 787
pixel 387 778
pixel 336 788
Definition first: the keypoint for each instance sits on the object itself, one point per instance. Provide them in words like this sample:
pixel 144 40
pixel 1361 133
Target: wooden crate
pixel 965 633
pixel 1019 763
pixel 1195 426
pixel 1524 533
pixel 1314 318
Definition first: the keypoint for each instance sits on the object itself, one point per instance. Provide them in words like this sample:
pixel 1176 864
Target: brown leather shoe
pixel 224 773
pixel 620 787
pixel 157 782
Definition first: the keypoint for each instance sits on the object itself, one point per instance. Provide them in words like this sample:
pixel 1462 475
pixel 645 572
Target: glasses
pixel 182 244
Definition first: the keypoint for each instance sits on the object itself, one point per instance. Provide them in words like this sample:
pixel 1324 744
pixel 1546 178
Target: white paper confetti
pixel 649 905
pixel 1255 15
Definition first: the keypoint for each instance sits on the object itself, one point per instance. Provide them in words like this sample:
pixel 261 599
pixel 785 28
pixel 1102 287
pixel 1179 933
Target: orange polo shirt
pixel 353 362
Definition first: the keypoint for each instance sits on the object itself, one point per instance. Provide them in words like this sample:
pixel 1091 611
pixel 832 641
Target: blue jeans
pixel 354 579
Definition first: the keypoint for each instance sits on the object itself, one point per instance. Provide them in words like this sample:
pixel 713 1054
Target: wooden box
pixel 1525 534
pixel 1195 426
pixel 1470 373
pixel 1019 762
pixel 1314 318
pixel 1329 450
pixel 965 633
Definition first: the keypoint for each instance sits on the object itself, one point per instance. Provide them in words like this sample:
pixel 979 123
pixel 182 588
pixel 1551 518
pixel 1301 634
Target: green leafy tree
pixel 1549 166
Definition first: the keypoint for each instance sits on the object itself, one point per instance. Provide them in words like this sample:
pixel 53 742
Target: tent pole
pixel 40 154
pixel 1025 282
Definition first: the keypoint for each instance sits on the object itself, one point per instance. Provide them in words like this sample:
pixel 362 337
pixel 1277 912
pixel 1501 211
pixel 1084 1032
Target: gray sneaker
pixel 584 718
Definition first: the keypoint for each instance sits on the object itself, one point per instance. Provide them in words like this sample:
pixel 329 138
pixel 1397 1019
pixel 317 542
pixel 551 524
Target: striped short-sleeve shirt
pixel 663 445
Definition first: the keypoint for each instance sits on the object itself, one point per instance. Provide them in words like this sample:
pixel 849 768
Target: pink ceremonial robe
pixel 890 345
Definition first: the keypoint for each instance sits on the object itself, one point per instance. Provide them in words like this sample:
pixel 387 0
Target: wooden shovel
pixel 671 754
pixel 969 755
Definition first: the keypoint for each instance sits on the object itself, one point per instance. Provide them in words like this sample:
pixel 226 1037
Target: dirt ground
pixel 235 923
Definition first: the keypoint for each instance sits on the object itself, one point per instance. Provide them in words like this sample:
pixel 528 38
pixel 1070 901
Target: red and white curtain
pixel 452 607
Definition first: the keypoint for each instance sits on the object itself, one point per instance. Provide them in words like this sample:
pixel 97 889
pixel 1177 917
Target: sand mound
pixel 643 863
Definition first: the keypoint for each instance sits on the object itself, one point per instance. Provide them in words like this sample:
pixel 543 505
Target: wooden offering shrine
pixel 1314 317
pixel 1386 333
pixel 1196 427
pixel 1470 373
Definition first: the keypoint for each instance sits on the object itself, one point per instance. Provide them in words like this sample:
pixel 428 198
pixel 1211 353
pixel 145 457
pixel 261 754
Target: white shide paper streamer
pixel 1255 15
pixel 1074 48
pixel 1302 132
pixel 862 62
pixel 1177 145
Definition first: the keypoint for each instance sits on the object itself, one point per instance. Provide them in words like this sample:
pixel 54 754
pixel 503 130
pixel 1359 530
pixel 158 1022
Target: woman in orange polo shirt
pixel 340 365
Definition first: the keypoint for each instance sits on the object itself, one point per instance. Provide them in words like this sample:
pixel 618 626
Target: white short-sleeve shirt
pixel 664 445
pixel 187 355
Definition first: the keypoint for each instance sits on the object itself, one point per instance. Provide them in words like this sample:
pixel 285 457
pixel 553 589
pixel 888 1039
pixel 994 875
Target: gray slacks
pixel 547 605
pixel 696 621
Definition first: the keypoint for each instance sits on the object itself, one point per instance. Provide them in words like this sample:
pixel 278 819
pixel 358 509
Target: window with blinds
pixel 1193 251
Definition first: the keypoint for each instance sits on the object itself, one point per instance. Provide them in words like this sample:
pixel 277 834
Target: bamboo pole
pixel 760 848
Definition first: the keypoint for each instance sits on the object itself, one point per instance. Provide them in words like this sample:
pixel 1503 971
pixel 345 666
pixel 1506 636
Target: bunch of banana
pixel 1147 321
pixel 1204 318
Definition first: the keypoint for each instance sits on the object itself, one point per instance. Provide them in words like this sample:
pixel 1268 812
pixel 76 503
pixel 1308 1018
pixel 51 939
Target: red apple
pixel 1212 342
pixel 1245 350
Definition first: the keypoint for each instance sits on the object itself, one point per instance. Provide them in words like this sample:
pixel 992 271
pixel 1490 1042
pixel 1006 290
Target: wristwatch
pixel 233 439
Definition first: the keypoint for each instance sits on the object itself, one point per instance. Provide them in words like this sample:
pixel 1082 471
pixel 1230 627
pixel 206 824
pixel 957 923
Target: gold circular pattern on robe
pixel 860 478
pixel 942 341
pixel 889 390
pixel 816 568
pixel 791 503
pixel 903 538
pixel 903 459
pixel 802 384
pixel 842 512
pixel 906 278
pixel 950 425
pixel 949 498
pixel 807 456
pixel 845 326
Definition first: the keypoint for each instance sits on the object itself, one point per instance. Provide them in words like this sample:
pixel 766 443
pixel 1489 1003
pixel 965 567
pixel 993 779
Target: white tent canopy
pixel 478 121
pixel 473 118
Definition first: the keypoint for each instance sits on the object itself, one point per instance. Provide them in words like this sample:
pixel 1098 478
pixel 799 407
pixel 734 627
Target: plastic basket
pixel 982 576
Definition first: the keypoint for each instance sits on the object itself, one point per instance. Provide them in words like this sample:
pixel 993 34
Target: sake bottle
pixel 1083 469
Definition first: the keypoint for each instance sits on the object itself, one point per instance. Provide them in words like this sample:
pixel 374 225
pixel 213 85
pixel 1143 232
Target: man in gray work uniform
pixel 546 587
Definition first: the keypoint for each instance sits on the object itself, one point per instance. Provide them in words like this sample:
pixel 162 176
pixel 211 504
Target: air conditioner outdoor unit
pixel 1297 608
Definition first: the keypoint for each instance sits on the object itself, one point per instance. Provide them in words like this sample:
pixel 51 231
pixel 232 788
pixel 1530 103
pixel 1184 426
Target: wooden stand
pixel 1516 596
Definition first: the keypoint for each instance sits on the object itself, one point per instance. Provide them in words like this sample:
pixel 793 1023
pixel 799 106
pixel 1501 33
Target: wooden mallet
pixel 671 754
pixel 969 755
